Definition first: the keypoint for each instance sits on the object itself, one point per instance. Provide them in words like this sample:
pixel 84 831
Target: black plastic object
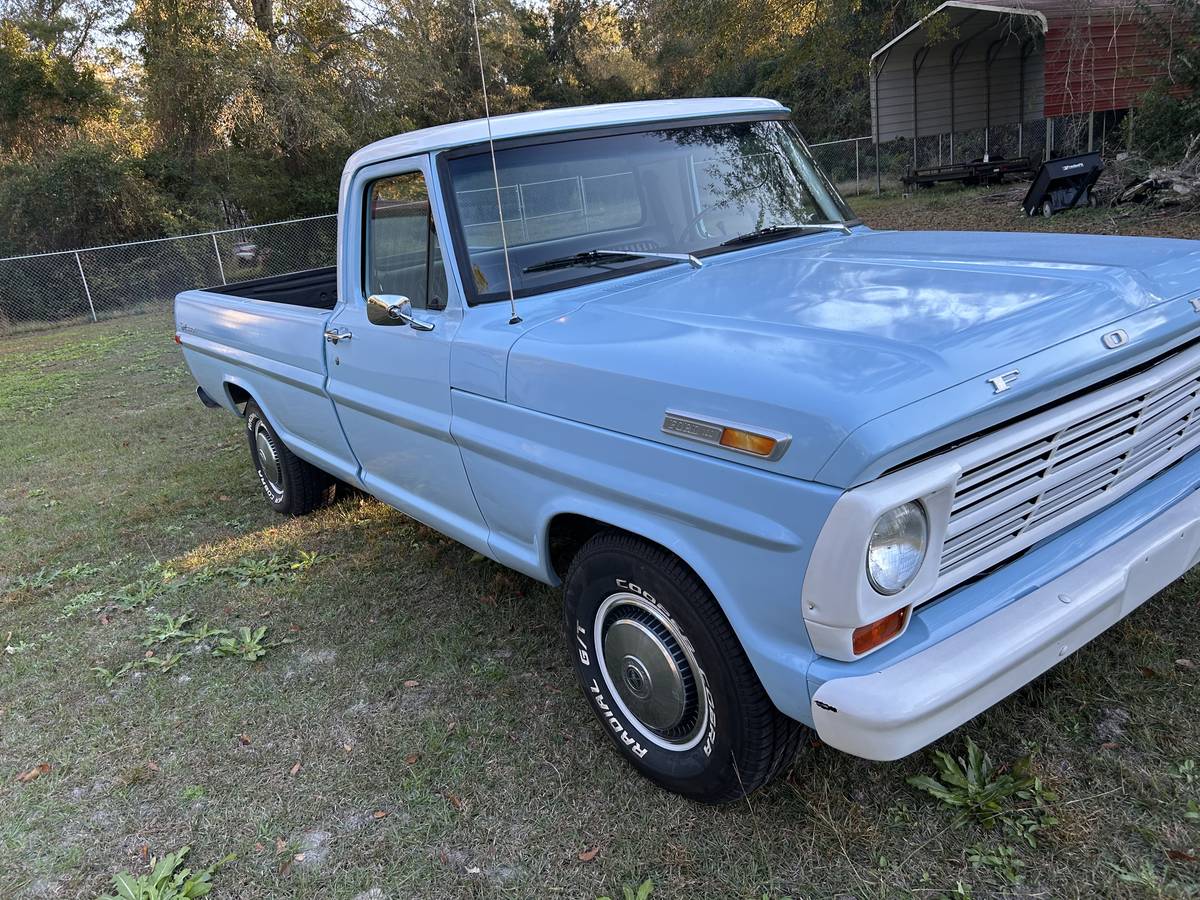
pixel 1063 184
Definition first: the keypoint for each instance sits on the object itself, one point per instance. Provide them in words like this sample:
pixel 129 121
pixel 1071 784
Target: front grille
pixel 1024 482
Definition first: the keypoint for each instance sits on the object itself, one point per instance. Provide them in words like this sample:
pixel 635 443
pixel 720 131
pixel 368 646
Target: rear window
pixel 548 201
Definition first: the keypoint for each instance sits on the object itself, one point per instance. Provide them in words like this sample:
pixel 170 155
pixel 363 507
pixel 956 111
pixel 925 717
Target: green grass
pixel 413 725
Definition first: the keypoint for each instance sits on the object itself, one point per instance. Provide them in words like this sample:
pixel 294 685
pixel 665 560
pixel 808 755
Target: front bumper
pixel 902 707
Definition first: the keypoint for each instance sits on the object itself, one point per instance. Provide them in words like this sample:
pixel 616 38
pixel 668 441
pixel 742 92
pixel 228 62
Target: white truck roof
pixel 545 121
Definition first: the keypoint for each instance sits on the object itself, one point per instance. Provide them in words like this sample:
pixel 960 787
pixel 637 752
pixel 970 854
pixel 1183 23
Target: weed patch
pixel 1011 798
pixel 168 879
pixel 248 644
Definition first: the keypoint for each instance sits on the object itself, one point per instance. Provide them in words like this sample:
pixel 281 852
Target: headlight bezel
pixel 837 594
pixel 911 511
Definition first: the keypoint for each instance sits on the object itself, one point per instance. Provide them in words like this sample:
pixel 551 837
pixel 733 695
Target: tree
pixel 50 90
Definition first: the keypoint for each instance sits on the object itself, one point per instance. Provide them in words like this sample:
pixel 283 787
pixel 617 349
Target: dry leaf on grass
pixel 589 854
pixel 379 814
pixel 36 772
pixel 412 758
pixel 295 770
pixel 412 684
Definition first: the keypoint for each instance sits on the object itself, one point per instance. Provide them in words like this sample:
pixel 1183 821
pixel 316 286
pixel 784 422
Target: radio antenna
pixel 487 115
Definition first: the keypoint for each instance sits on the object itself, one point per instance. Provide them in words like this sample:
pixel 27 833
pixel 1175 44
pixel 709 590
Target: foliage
pixel 167 115
pixel 990 795
pixel 1002 860
pixel 1168 116
pixel 168 628
pixel 168 879
pixel 641 892
pixel 1165 123
pixel 87 192
pixel 46 90
pixel 247 644
pixel 272 569
pixel 110 677
pixel 124 119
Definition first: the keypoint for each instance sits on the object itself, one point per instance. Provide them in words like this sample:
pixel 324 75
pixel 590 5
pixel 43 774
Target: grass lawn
pixel 413 729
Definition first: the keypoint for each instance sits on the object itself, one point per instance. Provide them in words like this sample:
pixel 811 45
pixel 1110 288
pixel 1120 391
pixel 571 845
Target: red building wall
pixel 1099 54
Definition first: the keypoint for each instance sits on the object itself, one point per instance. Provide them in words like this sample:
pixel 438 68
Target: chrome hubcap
pixel 268 463
pixel 651 670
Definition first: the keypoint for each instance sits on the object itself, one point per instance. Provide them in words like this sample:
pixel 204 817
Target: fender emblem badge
pixel 1115 339
pixel 1001 383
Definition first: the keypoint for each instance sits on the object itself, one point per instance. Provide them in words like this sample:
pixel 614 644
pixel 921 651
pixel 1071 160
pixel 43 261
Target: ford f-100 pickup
pixel 792 472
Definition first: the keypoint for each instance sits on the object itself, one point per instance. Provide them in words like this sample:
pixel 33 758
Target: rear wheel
pixel 667 677
pixel 291 485
pixel 1047 208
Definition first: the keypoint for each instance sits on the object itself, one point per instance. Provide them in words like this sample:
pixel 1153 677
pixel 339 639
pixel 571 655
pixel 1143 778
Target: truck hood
pixel 818 336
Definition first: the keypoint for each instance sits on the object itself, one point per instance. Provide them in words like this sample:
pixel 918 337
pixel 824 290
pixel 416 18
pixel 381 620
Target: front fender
pixel 745 532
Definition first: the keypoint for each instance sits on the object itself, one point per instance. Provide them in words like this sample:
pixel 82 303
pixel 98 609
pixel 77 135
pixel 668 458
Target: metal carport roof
pixel 963 66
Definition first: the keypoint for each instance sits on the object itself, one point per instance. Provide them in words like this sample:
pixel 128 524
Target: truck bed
pixel 313 288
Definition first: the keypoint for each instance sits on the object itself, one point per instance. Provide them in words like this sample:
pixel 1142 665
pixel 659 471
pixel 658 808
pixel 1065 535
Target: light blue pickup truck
pixel 791 472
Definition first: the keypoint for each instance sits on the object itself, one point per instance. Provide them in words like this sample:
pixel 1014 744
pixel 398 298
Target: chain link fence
pixel 856 168
pixel 47 290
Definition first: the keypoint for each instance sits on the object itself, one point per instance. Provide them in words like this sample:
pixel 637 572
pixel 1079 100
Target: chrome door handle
pixel 333 335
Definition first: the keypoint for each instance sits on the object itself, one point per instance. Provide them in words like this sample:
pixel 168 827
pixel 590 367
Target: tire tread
pixel 778 737
pixel 307 487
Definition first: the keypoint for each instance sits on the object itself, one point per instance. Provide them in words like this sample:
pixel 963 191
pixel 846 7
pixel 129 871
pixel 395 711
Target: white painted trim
pixel 962 4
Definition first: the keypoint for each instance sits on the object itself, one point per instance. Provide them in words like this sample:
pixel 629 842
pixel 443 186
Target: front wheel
pixel 667 677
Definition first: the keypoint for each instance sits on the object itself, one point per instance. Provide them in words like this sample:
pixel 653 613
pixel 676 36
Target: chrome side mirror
pixel 392 309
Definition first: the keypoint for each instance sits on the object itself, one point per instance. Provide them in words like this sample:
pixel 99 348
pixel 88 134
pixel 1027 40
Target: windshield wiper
pixel 784 230
pixel 599 257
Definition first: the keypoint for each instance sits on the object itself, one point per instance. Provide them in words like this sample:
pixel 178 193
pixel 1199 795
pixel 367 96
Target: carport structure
pixel 980 66
pixel 964 66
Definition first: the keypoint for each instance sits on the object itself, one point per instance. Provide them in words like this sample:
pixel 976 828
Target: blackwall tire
pixel 666 676
pixel 292 486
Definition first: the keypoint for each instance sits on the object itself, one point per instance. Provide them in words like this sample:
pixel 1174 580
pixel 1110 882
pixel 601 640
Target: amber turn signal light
pixel 868 637
pixel 748 442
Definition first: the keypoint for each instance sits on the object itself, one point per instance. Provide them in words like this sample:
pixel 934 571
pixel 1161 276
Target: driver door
pixel 388 357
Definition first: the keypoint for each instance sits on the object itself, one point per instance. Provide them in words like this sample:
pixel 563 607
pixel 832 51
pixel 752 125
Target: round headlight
pixel 897 547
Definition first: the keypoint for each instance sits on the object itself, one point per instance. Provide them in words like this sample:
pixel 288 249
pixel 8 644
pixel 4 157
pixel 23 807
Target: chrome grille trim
pixel 1031 479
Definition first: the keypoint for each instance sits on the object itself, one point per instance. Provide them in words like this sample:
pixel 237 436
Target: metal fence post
pixel 220 265
pixel 857 175
pixel 86 290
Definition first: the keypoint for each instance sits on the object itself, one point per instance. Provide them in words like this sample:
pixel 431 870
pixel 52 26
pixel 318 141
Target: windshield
pixel 679 190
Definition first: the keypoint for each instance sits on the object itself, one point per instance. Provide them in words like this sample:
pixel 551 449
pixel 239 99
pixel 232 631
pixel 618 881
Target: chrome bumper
pixel 901 708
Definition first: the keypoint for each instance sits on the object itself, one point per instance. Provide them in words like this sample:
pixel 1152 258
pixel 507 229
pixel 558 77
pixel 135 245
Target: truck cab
pixel 792 473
